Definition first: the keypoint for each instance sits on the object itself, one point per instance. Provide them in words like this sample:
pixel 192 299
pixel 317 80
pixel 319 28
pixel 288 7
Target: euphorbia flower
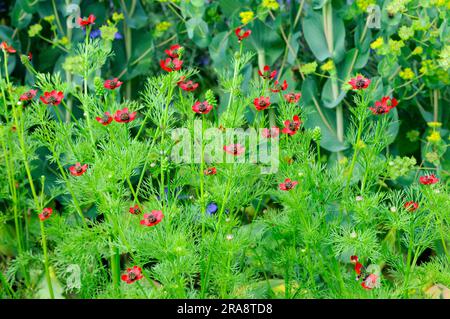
pixel 411 206
pixel 266 73
pixel 53 97
pixel 359 83
pixel 124 116
pixel 202 107
pixel 277 87
pixel 292 97
pixel 7 48
pixel 171 65
pixel 210 171
pixel 78 169
pixel 135 210
pixel 288 184
pixel 46 213
pixel 187 85
pixel 153 218
pixel 84 22
pixel 174 51
pixel 371 281
pixel 132 275
pixel 112 84
pixel 384 106
pixel 261 103
pixel 29 95
pixel 105 119
pixel 270 133
pixel 428 179
pixel 242 34
pixel 291 127
pixel 234 149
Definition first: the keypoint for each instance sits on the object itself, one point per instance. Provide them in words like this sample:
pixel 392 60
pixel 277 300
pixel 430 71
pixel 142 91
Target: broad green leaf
pixel 198 31
pixel 315 36
pixel 265 39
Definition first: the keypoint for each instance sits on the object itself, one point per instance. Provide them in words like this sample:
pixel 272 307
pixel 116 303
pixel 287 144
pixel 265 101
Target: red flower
pixel 277 87
pixel 170 65
pixel 210 171
pixel 105 119
pixel 78 169
pixel 153 218
pixel 291 127
pixel 359 82
pixel 270 133
pixel 288 184
pixel 266 74
pixel 242 34
pixel 135 210
pixel 428 179
pixel 46 213
pixel 84 22
pixel 187 85
pixel 112 84
pixel 202 107
pixel 53 97
pixel 174 51
pixel 371 281
pixel 132 275
pixel 261 103
pixel 292 97
pixel 30 56
pixel 411 206
pixel 384 106
pixel 234 149
pixel 27 96
pixel 7 48
pixel 124 116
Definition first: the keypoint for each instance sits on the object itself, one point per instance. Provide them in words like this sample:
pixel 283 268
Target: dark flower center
pixel 113 83
pixel 51 100
pixel 28 95
pixel 288 185
pixel 78 168
pixel 202 107
pixel 262 103
pixel 292 126
pixel 105 118
pixel 360 83
pixel 45 213
pixel 151 218
pixel 125 116
pixel 131 275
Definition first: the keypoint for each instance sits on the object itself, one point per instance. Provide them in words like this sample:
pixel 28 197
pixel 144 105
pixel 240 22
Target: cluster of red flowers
pixel 149 219
pixel 172 63
pixel 370 281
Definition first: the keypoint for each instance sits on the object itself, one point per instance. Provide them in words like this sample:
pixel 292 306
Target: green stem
pixel 46 263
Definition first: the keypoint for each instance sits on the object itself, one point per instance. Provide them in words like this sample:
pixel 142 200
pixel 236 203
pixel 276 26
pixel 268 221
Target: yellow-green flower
pixel 246 16
pixel 34 30
pixel 108 32
pixel 117 17
pixel 328 66
pixel 444 58
pixel 308 68
pixel 395 47
pixel 163 26
pixel 427 67
pixel 434 124
pixel 378 43
pixel 63 41
pixel 364 4
pixel 432 157
pixel 405 32
pixel 49 19
pixel 434 137
pixel 417 51
pixel 407 74
pixel 270 4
